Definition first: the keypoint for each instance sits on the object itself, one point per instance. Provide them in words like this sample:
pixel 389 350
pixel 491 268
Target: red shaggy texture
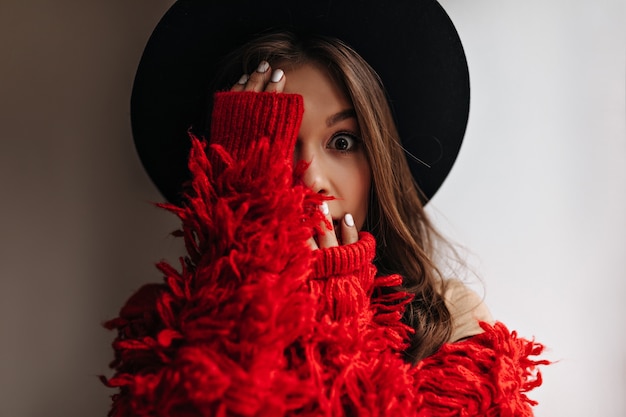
pixel 256 324
pixel 487 375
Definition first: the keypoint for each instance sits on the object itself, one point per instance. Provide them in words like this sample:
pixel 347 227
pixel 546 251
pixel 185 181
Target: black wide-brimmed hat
pixel 412 45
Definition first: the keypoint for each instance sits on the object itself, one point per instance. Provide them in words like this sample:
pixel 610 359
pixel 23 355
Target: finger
pixel 259 78
pixel 277 82
pixel 239 86
pixel 328 238
pixel 312 243
pixel 349 234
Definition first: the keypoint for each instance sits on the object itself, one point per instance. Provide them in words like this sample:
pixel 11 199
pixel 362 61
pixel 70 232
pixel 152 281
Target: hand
pixel 263 79
pixel 347 232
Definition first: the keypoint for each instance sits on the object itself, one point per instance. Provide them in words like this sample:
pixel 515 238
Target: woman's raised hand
pixel 347 232
pixel 263 79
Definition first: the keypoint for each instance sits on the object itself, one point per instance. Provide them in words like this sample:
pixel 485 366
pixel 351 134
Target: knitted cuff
pixel 344 260
pixel 240 119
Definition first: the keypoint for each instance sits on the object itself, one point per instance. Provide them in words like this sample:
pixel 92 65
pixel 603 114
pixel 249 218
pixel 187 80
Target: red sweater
pixel 257 324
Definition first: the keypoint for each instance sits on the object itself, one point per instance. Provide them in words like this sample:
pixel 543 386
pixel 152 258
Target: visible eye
pixel 343 142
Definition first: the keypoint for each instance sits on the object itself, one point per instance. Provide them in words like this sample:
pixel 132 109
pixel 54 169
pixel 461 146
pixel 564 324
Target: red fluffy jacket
pixel 256 324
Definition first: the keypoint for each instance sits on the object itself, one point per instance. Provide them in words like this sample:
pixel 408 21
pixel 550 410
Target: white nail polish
pixel 277 75
pixel 263 66
pixel 324 208
pixel 348 219
pixel 244 79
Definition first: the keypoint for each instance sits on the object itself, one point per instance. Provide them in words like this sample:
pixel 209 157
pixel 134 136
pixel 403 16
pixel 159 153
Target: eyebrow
pixel 338 117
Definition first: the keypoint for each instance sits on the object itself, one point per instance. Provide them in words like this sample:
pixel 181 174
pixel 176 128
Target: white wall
pixel 539 191
pixel 537 194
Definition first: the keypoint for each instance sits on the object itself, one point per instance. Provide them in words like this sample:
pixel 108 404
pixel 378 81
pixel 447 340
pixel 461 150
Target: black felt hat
pixel 412 45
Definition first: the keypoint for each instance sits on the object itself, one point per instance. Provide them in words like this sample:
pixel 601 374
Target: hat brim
pixel 412 45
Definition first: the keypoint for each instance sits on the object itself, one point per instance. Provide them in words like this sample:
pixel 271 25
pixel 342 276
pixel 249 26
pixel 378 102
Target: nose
pixel 314 176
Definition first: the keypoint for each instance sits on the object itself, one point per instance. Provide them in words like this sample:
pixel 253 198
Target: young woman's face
pixel 329 140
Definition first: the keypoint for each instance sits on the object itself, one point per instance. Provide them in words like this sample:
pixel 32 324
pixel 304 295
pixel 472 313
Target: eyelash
pixel 356 141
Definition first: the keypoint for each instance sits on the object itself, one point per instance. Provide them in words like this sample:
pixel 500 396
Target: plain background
pixel 538 195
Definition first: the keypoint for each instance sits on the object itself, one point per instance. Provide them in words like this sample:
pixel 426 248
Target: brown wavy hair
pixel 406 239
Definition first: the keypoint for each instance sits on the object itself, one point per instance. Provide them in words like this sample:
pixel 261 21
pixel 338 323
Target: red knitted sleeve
pixel 222 335
pixel 348 259
pixel 240 120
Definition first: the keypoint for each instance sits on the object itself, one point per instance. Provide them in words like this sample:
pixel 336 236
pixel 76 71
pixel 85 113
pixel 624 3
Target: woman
pixel 284 309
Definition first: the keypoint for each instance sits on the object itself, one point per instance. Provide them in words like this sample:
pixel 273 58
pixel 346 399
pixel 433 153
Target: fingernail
pixel 263 66
pixel 244 79
pixel 348 219
pixel 277 75
pixel 324 208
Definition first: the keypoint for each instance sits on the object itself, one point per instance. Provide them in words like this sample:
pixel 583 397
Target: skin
pixel 329 141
